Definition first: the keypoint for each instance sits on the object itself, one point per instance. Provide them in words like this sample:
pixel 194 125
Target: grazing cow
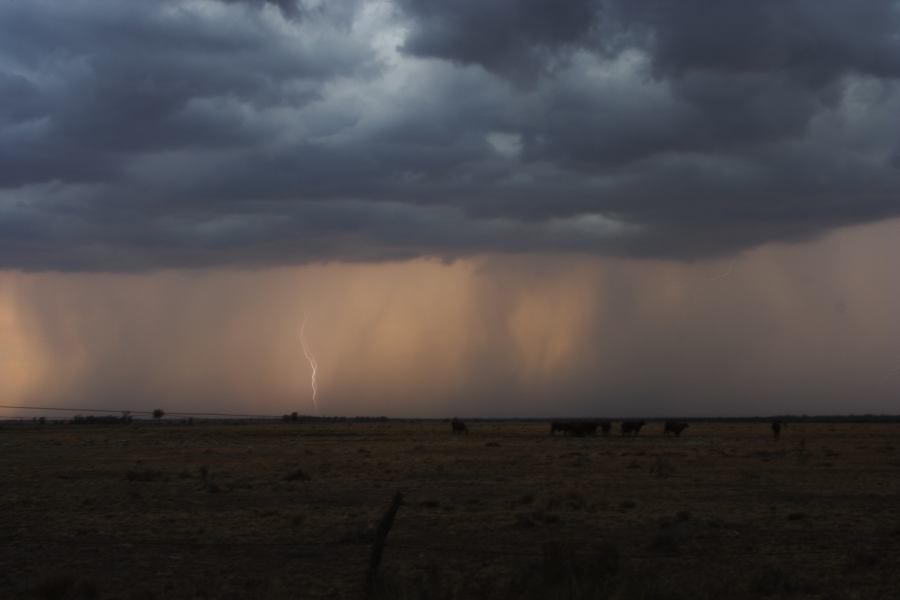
pixel 675 427
pixel 605 426
pixel 632 428
pixel 776 428
pixel 457 426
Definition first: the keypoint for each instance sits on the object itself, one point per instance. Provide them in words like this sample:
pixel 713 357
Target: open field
pixel 162 511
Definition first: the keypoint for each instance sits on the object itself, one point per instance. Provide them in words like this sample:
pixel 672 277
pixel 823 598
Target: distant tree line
pixel 869 418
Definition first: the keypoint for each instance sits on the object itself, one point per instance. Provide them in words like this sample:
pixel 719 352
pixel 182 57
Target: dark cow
pixel 632 428
pixel 675 427
pixel 583 428
pixel 560 426
pixel 457 426
pixel 776 428
pixel 605 426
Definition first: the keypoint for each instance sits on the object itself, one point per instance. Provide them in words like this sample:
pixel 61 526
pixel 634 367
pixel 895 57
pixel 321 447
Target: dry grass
pixel 287 511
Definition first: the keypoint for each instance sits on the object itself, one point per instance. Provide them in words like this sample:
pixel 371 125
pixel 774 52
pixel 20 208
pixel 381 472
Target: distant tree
pixel 159 413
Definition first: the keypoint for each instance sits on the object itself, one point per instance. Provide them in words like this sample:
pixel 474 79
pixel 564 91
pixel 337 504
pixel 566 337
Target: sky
pixel 515 208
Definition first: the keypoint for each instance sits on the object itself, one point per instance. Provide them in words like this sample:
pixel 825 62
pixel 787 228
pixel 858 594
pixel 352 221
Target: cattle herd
pixel 628 428
pixel 584 428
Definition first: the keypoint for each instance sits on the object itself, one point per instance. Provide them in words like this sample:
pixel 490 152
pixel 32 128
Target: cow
pixel 675 427
pixel 605 426
pixel 583 428
pixel 457 426
pixel 632 428
pixel 776 428
pixel 560 426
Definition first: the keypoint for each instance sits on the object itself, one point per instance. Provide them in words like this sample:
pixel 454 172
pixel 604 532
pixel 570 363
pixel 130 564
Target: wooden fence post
pixel 384 526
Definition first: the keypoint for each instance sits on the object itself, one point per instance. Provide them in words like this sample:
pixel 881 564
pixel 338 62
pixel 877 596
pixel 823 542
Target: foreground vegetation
pixel 287 510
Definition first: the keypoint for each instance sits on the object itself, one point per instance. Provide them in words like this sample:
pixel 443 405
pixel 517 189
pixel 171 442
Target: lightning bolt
pixel 312 364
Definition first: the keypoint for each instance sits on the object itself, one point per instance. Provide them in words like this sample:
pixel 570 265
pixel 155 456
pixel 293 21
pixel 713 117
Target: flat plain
pixel 288 510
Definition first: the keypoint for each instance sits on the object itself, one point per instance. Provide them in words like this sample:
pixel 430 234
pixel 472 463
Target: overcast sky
pixel 188 168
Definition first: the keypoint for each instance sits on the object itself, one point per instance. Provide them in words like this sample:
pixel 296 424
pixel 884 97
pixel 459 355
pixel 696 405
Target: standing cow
pixel 776 428
pixel 457 426
pixel 560 426
pixel 583 428
pixel 632 428
pixel 675 427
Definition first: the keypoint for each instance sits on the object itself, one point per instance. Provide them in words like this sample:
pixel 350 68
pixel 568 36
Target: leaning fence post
pixel 384 526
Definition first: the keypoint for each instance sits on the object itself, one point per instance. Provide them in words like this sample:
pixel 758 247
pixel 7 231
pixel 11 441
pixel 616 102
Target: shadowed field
pixel 288 511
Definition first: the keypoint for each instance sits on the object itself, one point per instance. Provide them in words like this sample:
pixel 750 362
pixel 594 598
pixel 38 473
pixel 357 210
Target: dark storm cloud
pixel 813 39
pixel 288 7
pixel 252 132
pixel 507 35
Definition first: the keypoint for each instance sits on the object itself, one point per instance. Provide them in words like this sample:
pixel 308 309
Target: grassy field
pixel 282 510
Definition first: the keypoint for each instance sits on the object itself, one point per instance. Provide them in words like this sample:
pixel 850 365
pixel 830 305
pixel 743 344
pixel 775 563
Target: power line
pixel 141 412
pixel 202 414
pixel 69 409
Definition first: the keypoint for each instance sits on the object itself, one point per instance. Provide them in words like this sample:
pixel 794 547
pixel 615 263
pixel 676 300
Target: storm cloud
pixel 194 133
